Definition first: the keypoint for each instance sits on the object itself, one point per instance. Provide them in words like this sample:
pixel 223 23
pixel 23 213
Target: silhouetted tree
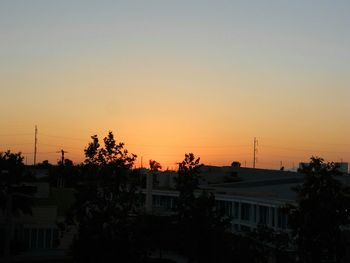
pixel 67 163
pixel 323 210
pixel 44 164
pixel 12 179
pixel 202 227
pixel 156 233
pixel 264 243
pixel 106 206
pixel 112 153
pixel 106 161
pixel 154 167
pixel 187 182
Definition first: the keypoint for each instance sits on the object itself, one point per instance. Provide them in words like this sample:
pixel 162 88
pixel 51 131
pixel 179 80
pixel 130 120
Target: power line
pixel 189 146
pixel 16 134
pixel 38 153
pixel 16 144
pixel 303 150
pixel 62 137
pixel 58 146
pixel 306 142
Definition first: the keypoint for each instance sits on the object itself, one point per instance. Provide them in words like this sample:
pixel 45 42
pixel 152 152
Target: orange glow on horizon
pixel 168 152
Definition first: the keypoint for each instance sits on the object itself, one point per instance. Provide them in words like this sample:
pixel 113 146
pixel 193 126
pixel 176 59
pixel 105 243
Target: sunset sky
pixel 170 77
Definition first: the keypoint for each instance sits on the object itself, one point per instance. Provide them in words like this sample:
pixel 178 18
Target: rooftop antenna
pixel 255 151
pixel 35 143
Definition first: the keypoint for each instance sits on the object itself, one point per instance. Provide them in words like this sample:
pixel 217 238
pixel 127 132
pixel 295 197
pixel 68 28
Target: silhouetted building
pixel 37 235
pixel 251 197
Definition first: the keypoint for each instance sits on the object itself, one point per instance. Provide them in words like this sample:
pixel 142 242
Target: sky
pixel 171 77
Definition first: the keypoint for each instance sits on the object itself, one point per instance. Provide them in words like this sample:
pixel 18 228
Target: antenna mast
pixel 255 151
pixel 35 143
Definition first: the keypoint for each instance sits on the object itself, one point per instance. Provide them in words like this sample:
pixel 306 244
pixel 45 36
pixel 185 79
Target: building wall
pixel 246 213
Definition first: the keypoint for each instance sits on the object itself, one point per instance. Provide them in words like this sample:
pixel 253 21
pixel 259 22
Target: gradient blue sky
pixel 170 77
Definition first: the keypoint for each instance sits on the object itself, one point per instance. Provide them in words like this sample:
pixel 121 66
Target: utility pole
pixel 60 181
pixel 35 143
pixel 255 151
pixel 62 156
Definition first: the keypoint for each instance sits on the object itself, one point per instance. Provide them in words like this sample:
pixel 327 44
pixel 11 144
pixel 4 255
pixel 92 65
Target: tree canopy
pixel 105 206
pixel 202 227
pixel 113 153
pixel 322 210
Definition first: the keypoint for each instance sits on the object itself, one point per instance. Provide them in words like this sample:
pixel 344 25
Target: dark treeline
pixel 112 224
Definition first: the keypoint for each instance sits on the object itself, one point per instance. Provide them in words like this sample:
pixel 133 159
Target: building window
pixel 273 210
pixel 281 219
pixel 155 200
pixel 263 215
pixel 165 202
pixel 18 233
pixel 34 238
pixel 41 238
pixel 26 237
pixel 236 210
pixel 225 206
pixel 254 213
pixel 55 238
pixel 48 238
pixel 245 211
